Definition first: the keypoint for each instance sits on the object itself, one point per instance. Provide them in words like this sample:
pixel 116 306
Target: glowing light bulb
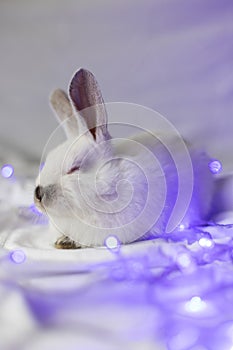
pixel 18 256
pixel 215 166
pixel 7 171
pixel 112 243
pixel 184 260
pixel 196 304
pixel 205 242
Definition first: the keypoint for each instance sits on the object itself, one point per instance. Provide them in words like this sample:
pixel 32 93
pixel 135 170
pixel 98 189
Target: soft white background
pixel 175 56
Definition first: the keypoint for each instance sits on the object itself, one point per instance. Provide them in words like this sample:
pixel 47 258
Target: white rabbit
pixel 93 186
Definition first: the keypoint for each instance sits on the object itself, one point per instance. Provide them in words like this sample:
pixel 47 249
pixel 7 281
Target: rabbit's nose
pixel 39 193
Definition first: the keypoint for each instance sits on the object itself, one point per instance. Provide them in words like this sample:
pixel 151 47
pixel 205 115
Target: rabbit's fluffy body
pixel 94 186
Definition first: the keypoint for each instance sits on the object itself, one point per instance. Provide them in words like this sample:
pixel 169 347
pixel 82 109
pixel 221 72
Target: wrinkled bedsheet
pixel 172 292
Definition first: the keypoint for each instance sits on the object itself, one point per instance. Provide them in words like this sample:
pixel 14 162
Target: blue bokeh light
pixel 215 166
pixel 112 243
pixel 184 260
pixel 205 242
pixel 181 227
pixel 18 256
pixel 7 171
pixel 195 304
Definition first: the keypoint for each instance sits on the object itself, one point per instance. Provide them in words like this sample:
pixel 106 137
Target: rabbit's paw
pixel 65 242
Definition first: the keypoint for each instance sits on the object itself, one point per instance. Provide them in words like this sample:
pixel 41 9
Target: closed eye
pixel 73 169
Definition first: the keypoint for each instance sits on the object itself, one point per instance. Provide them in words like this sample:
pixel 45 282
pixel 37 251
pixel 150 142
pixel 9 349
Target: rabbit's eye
pixel 73 169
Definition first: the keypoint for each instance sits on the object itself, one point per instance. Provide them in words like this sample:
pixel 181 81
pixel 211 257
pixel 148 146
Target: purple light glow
pixel 206 242
pixel 215 166
pixel 7 171
pixel 112 243
pixel 34 209
pixel 18 256
pixel 36 217
pixel 184 260
pixel 196 304
pixel 175 278
pixel 181 227
pixel 41 165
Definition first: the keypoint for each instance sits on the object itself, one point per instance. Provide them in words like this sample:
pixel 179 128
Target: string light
pixel 196 304
pixel 184 260
pixel 17 256
pixel 112 243
pixel 206 242
pixel 7 171
pixel 215 166
pixel 180 267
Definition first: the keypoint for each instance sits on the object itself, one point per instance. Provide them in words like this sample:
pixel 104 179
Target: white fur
pixel 110 194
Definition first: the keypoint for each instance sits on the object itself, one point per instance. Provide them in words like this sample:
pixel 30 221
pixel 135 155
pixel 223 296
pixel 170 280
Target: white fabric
pixel 66 299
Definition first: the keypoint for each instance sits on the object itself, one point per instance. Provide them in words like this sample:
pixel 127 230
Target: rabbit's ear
pixel 85 92
pixel 64 112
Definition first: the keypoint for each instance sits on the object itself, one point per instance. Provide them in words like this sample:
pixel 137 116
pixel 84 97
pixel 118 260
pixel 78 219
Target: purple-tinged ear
pixel 87 100
pixel 62 107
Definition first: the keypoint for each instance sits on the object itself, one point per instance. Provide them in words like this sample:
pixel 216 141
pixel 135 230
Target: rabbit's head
pixel 79 171
pixel 93 184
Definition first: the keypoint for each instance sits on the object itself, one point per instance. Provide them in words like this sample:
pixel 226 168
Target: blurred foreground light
pixel 18 256
pixel 34 209
pixel 196 304
pixel 112 243
pixel 7 171
pixel 206 242
pixel 184 260
pixel 181 227
pixel 215 166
